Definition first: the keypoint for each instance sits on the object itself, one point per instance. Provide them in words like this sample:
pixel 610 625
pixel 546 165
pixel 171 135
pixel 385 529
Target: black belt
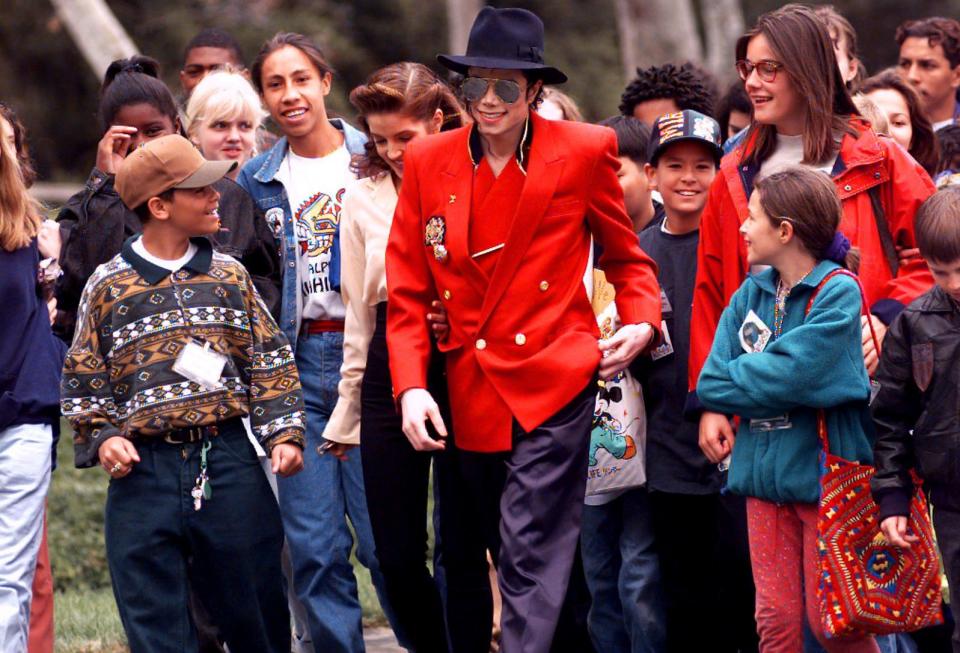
pixel 191 435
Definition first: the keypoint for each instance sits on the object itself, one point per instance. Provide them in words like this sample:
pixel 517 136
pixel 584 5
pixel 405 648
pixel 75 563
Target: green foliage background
pixel 44 77
pixel 75 523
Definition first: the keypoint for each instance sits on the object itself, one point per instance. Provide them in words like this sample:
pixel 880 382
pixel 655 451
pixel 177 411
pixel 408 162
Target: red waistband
pixel 322 326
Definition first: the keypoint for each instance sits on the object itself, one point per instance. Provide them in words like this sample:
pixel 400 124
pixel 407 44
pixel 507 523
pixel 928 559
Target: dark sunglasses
pixel 475 88
pixel 767 69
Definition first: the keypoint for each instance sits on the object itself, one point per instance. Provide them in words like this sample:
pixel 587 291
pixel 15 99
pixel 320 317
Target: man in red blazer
pixel 495 219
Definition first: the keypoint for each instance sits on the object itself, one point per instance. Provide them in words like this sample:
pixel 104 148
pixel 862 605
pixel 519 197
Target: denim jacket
pixel 259 178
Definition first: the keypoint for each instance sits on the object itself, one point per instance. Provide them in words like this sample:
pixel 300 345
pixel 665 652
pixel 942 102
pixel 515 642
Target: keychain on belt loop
pixel 202 488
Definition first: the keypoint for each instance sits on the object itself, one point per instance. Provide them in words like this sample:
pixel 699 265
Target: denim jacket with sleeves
pixel 259 178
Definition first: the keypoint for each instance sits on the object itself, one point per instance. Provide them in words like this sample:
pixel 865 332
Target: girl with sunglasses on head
pixel 795 121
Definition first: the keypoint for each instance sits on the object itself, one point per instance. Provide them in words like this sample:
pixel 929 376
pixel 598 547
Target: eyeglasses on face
pixel 766 68
pixel 475 88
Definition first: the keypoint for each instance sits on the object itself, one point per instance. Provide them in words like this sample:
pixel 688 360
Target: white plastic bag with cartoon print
pixel 618 434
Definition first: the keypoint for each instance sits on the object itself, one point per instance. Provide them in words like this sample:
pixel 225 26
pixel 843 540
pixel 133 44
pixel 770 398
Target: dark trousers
pixel 573 633
pixel 469 486
pixel 525 507
pixel 396 478
pixel 946 523
pixel 707 584
pixel 232 544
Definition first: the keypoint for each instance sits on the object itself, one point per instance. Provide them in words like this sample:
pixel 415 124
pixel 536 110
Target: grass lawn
pixel 87 622
pixel 85 612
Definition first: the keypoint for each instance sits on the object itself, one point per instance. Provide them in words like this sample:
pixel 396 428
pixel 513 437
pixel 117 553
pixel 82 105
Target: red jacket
pixel 863 162
pixel 523 341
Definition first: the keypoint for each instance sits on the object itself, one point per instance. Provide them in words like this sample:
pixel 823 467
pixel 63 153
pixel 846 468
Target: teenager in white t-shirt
pixel 299 185
pixel 315 187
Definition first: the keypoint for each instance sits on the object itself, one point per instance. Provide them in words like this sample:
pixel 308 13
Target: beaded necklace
pixel 780 303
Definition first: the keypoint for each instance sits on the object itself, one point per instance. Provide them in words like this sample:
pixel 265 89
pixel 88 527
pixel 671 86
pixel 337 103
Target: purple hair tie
pixel 837 250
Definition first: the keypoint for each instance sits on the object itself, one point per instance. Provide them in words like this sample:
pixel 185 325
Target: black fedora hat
pixel 505 38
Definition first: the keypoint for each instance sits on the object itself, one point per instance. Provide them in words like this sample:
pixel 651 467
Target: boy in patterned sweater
pixel 173 352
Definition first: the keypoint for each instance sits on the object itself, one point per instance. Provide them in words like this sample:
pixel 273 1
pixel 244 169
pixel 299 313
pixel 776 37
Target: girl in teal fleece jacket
pixel 774 366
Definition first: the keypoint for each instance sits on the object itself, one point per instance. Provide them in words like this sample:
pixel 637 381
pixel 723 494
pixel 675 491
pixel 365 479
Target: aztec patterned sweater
pixel 118 377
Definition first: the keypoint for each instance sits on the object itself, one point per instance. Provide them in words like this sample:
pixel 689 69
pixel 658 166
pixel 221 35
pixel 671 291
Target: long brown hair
pixel 408 88
pixel 808 200
pixel 19 213
pixel 20 143
pixel 801 42
pixel 923 145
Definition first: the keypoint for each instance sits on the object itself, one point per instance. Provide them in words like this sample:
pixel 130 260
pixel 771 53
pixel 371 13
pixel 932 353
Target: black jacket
pixel 94 224
pixel 917 410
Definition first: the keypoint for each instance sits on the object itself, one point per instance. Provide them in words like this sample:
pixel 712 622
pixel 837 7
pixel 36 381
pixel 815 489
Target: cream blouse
pixel 365 218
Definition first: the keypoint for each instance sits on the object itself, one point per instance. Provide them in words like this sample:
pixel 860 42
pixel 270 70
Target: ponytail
pixel 134 81
pixel 841 252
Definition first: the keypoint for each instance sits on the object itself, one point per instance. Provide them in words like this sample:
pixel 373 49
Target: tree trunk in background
pixel 460 15
pixel 96 31
pixel 653 32
pixel 723 23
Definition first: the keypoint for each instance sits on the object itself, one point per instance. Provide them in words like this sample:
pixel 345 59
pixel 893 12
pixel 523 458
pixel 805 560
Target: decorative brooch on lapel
pixel 434 235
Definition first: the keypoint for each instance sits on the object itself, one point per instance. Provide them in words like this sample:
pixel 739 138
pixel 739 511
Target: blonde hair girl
pixel 224 117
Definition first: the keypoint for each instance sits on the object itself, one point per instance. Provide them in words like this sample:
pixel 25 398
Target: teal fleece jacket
pixel 817 362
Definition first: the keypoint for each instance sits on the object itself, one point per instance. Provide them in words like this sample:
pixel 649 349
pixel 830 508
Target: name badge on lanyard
pixel 201 364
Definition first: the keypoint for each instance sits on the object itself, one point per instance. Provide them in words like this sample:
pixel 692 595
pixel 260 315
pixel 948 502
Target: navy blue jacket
pixel 31 358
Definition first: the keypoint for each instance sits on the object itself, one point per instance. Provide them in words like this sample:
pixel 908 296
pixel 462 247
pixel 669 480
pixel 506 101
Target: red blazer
pixel 867 161
pixel 523 341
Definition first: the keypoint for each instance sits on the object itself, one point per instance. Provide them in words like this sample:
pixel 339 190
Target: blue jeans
pixel 623 575
pixel 315 505
pixel 24 478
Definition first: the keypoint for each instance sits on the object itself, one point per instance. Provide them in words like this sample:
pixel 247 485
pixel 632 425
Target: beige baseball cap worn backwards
pixel 164 163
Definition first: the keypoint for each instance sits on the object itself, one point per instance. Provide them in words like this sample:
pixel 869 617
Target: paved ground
pixel 380 640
